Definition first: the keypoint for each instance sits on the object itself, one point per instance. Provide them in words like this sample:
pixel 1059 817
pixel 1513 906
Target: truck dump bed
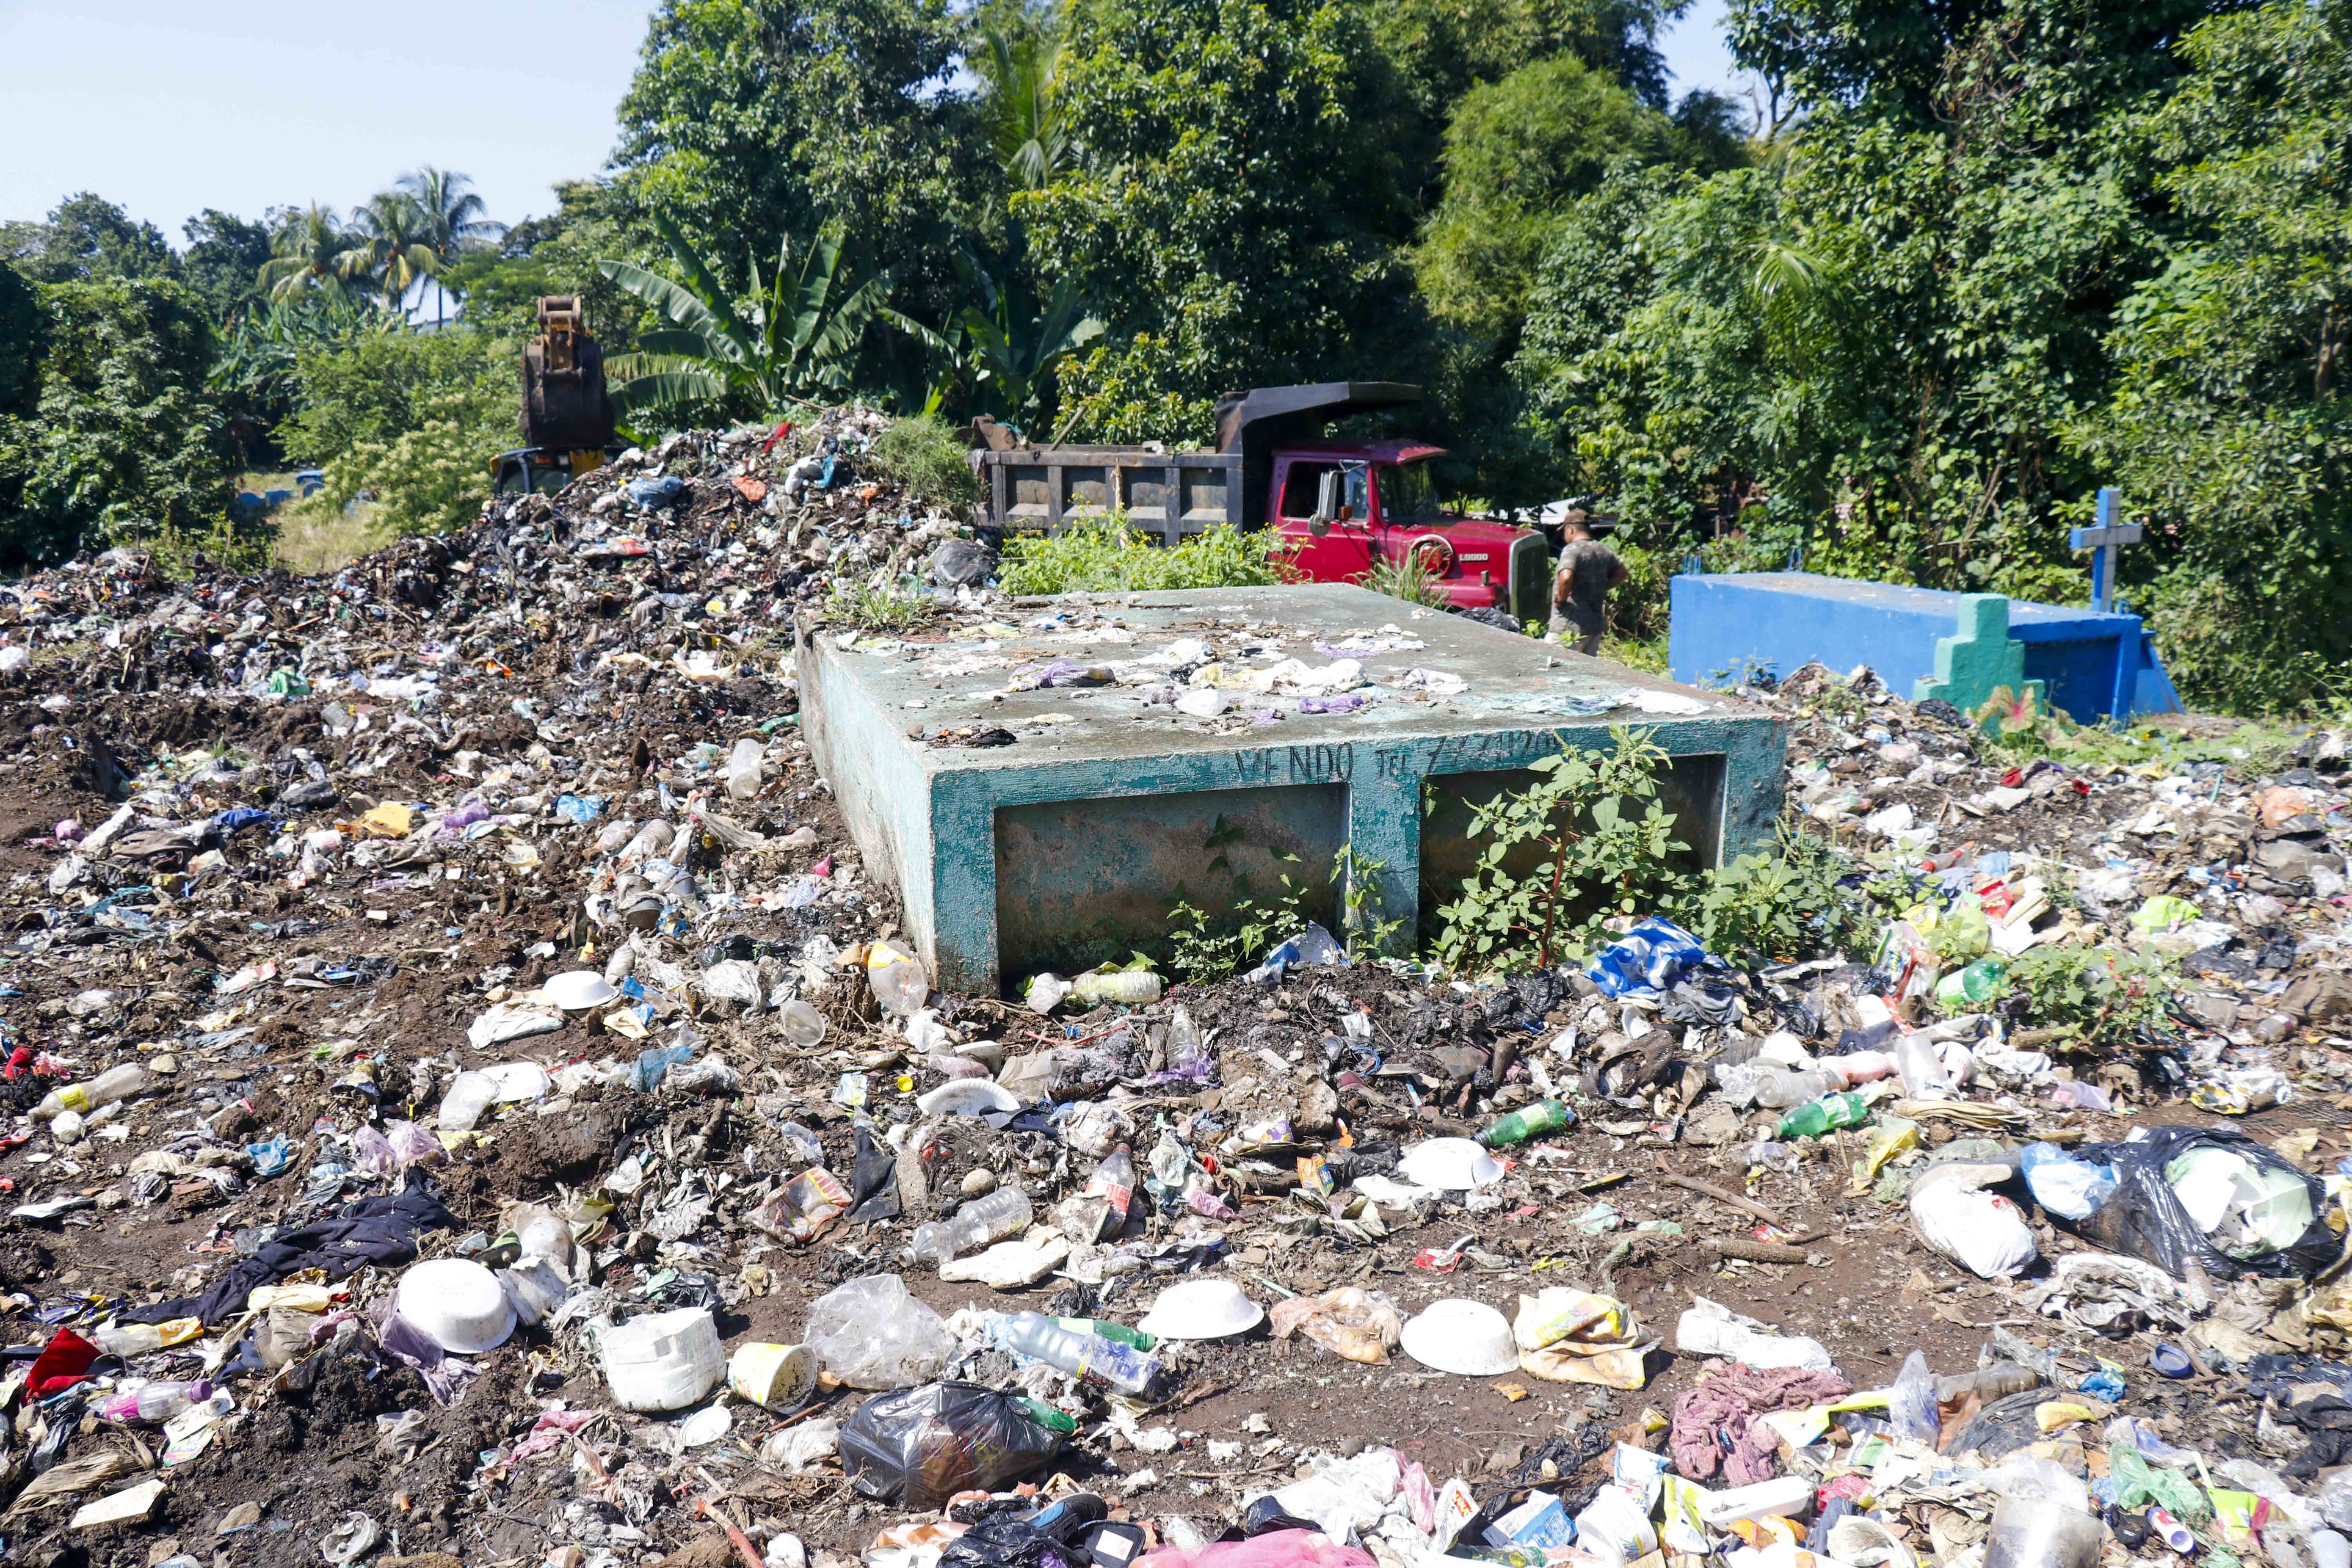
pixel 1174 494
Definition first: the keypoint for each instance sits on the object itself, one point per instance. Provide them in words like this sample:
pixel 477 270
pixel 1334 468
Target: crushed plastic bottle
pixel 1088 1357
pixel 116 1083
pixel 983 1222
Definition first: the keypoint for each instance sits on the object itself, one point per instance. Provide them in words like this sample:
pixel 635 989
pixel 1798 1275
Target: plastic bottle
pixel 1088 1357
pixel 153 1403
pixel 1531 1121
pixel 1131 988
pixel 1998 1381
pixel 127 1338
pixel 1824 1115
pixel 1922 1069
pixel 1119 1333
pixel 900 983
pixel 125 1082
pixel 1978 984
pixel 742 775
pixel 1780 1088
pixel 1115 1179
pixel 462 1104
pixel 979 1223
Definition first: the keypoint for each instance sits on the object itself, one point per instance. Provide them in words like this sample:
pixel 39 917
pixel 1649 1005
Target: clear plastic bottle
pixel 1779 1089
pixel 1088 1357
pixel 979 1223
pixel 901 983
pixel 742 775
pixel 1131 988
pixel 1115 1179
pixel 127 1338
pixel 468 1095
pixel 125 1082
pixel 153 1403
pixel 1998 1381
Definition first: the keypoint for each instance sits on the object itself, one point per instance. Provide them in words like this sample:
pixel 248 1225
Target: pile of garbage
pixel 470 1101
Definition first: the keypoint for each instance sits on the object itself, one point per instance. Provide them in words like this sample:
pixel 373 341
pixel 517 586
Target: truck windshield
pixel 1409 496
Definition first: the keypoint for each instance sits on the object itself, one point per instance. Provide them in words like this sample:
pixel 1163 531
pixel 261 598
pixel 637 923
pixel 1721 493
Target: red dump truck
pixel 1342 505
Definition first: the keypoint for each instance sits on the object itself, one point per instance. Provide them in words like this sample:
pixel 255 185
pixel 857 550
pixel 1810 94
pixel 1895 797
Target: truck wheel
pixel 1490 616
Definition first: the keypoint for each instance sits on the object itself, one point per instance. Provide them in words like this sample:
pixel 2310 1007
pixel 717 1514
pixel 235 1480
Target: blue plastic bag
pixel 1647 961
pixel 579 807
pixel 653 1064
pixel 654 494
pixel 2063 1184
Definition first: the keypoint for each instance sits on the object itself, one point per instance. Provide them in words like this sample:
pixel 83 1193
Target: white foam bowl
pixel 1450 1165
pixel 1466 1338
pixel 457 1304
pixel 967 1097
pixel 1202 1310
pixel 577 990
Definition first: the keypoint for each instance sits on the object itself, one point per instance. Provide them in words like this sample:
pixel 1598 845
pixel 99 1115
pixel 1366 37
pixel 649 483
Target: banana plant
pixel 1000 351
pixel 795 335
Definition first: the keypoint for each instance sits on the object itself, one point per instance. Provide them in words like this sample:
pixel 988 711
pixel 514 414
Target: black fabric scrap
pixel 380 1231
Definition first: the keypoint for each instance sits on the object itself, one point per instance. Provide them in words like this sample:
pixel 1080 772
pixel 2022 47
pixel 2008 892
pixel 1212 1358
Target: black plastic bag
pixel 2143 1217
pixel 874 1181
pixel 921 1445
pixel 1002 1542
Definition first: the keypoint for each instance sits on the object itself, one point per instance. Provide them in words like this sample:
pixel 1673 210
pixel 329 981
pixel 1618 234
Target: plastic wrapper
pixel 2145 1217
pixel 799 1211
pixel 1362 1325
pixel 919 1446
pixel 873 1333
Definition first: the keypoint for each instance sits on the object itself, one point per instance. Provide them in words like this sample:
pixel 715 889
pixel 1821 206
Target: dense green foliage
pixel 120 440
pixel 2014 252
pixel 411 418
pixel 1102 557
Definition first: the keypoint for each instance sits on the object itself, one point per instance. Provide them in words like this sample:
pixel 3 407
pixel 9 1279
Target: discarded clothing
pixel 1714 1424
pixel 382 1231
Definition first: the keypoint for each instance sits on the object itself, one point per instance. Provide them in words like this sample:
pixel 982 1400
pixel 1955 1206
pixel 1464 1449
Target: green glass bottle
pixel 1543 1116
pixel 1826 1114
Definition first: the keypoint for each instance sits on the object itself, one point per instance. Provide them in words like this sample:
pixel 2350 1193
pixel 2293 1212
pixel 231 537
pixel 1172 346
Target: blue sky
pixel 170 108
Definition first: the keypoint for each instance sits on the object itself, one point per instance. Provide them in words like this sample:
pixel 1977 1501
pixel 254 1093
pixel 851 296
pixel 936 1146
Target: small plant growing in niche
pixel 1604 842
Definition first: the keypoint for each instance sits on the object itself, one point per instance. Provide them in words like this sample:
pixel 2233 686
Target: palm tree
pixel 798 333
pixel 1024 105
pixel 310 245
pixel 390 251
pixel 452 220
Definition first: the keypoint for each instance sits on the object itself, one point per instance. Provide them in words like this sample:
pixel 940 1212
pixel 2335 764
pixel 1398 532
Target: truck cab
pixel 1344 507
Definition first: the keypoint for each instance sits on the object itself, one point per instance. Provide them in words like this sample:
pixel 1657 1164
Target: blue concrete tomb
pixel 1921 642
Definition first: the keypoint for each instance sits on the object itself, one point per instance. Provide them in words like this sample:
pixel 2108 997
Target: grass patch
pixel 1105 556
pixel 1647 653
pixel 1406 578
pixel 928 456
pixel 314 536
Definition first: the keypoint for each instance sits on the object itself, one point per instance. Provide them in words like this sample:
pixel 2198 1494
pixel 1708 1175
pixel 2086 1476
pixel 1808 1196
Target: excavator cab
pixel 567 416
